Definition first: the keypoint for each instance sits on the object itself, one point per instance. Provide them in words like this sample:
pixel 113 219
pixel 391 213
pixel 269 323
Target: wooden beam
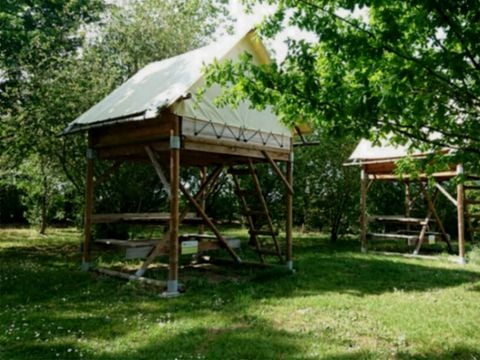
pixel 134 132
pixel 461 215
pixel 445 192
pixel 237 148
pixel 153 218
pixel 208 183
pixel 157 250
pixel 209 223
pixel 278 171
pixel 265 208
pixel 439 175
pixel 159 170
pixel 132 151
pixel 363 209
pixel 203 197
pixel 408 201
pixel 369 185
pixel 87 227
pixel 423 232
pixel 172 287
pixel 248 215
pixel 130 277
pixel 289 219
pixel 431 206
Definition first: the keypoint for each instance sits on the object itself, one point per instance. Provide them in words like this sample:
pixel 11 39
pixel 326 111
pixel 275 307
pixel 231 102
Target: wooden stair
pixel 261 211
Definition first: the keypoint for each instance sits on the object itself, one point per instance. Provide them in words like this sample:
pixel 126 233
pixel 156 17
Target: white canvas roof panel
pixel 367 151
pixel 173 83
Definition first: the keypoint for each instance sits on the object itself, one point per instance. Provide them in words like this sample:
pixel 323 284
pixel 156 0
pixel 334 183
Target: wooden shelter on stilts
pixel 156 116
pixel 379 163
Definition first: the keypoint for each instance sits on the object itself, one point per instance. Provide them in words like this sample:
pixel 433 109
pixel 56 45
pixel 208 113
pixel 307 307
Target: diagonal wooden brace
pixel 159 170
pixel 446 193
pixel 210 224
pixel 278 171
pixel 156 250
pixel 431 206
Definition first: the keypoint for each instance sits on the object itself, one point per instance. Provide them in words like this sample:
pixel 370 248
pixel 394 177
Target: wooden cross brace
pixel 207 184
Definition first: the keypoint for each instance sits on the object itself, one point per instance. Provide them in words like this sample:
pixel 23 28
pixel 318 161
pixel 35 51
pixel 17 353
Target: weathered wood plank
pixel 397 219
pixel 160 217
pixel 278 171
pixel 87 227
pixel 392 236
pixel 130 277
pixel 136 132
pixel 234 148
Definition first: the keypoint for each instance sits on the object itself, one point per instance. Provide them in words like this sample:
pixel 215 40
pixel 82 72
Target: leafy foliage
pixel 374 68
pixel 58 58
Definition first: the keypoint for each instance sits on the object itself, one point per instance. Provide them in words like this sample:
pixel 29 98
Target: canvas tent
pixel 378 162
pixel 173 84
pixel 157 116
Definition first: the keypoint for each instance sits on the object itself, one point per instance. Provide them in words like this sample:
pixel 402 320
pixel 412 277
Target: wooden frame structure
pixel 162 143
pixel 383 169
pixel 157 117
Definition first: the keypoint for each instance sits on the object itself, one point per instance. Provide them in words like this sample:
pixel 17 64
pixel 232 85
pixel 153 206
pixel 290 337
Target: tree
pixel 59 58
pixel 411 69
pixel 326 192
pixel 38 37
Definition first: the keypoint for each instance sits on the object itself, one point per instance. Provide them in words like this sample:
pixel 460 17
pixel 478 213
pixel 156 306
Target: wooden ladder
pixel 251 214
pixel 472 214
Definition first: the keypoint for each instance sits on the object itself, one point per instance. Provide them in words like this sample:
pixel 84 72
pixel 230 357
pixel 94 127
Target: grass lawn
pixel 340 304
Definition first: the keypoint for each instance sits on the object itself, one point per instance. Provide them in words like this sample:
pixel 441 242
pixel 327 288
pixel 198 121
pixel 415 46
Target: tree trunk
pixel 335 228
pixel 44 205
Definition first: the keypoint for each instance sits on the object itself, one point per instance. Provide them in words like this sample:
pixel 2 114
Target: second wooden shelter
pixel 379 163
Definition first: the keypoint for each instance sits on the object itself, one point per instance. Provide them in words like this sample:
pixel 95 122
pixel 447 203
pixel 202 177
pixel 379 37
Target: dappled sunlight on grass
pixel 340 304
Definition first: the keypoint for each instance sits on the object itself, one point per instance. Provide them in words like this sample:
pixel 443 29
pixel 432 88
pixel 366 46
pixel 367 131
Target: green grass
pixel 340 304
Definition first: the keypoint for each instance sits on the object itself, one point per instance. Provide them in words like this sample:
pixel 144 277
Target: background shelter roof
pixel 368 151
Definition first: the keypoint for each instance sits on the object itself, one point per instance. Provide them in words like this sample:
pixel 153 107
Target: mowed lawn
pixel 340 304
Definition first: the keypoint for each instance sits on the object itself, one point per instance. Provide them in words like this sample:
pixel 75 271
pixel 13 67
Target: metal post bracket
pixel 175 142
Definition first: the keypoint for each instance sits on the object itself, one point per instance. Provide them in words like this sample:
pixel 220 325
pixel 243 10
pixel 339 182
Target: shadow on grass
pixel 42 287
pixel 200 343
pixel 458 352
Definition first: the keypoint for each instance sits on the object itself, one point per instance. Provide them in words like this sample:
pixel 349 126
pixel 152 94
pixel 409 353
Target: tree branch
pixel 397 52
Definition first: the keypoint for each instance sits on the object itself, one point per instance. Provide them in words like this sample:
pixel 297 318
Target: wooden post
pixel 172 284
pixel 289 222
pixel 363 209
pixel 461 216
pixel 408 201
pixel 87 226
pixel 203 198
